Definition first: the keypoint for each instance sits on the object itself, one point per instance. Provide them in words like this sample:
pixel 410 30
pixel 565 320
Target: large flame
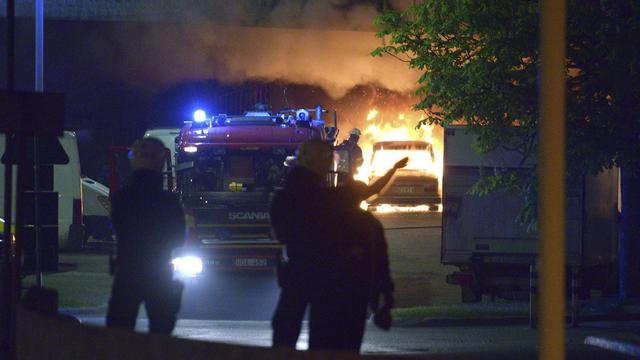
pixel 398 127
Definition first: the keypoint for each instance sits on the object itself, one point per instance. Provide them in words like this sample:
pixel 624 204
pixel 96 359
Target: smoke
pixel 307 42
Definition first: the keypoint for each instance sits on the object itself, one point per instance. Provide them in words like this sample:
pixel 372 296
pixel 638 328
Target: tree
pixel 479 62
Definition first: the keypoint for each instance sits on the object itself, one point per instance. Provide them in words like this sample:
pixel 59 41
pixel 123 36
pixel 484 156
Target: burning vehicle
pixel 414 187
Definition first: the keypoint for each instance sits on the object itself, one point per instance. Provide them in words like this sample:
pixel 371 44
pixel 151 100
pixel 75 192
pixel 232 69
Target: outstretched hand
pixel 401 163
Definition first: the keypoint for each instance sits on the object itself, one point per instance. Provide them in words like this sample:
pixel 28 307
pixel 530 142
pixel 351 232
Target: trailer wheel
pixel 470 294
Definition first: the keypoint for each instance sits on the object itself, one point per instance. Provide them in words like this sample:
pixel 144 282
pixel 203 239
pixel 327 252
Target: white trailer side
pixel 481 236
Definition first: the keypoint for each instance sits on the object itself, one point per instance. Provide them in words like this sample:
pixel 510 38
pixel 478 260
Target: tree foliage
pixel 479 61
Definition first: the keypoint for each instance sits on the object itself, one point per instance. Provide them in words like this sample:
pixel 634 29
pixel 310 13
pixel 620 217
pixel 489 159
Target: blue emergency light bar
pixel 199 116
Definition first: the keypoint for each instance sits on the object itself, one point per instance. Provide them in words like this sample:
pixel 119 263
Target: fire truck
pixel 227 168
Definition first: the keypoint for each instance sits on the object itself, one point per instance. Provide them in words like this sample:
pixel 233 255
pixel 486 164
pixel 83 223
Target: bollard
pixel 533 295
pixel 575 298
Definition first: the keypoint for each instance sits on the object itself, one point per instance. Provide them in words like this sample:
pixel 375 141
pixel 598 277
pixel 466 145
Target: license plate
pixel 250 262
pixel 405 189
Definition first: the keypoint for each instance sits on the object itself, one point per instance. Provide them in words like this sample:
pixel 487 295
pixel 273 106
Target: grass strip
pixel 461 311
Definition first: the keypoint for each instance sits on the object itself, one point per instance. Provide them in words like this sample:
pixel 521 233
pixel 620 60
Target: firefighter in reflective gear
pixel 149 223
pixel 353 154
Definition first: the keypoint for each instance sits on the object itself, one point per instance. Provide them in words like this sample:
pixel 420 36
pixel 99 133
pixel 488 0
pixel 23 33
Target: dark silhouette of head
pixel 148 154
pixel 316 156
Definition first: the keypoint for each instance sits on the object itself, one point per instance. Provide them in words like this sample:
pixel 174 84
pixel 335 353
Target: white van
pixel 95 210
pixel 66 182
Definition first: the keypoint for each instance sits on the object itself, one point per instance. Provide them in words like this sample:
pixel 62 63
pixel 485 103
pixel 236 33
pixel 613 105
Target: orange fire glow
pixel 399 127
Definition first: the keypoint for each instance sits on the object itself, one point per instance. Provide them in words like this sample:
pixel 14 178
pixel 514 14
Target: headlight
pixel 187 265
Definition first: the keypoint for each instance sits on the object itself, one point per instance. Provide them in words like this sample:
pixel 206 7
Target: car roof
pixel 402 145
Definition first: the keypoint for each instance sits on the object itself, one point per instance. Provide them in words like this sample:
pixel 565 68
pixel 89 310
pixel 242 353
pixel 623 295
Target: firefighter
pixel 149 224
pixel 354 152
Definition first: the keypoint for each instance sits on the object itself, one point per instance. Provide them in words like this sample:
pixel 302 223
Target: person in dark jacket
pixel 300 218
pixel 364 231
pixel 148 223
pixel 324 267
pixel 360 274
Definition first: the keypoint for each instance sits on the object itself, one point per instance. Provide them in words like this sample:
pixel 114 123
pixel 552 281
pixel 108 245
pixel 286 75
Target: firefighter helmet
pixel 355 132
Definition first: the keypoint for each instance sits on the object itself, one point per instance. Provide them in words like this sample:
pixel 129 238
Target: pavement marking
pixel 614 345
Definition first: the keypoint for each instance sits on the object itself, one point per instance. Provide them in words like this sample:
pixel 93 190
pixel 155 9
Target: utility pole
pixel 7 330
pixel 39 87
pixel 551 179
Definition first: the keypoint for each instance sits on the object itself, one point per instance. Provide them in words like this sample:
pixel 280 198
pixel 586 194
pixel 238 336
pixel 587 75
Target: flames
pixel 400 126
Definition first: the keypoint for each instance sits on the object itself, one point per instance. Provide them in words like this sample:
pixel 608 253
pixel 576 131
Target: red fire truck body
pixel 227 168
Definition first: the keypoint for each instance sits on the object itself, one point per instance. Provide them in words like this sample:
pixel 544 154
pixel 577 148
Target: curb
pixel 498 321
pixel 442 322
pixel 626 347
pixel 92 311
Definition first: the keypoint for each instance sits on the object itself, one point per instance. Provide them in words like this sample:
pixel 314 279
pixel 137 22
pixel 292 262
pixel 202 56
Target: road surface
pixel 414 250
pixel 491 341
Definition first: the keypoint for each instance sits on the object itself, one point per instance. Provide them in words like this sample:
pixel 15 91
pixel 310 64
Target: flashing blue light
pixel 199 115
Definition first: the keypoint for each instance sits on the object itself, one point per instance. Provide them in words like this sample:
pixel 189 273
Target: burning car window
pixel 420 154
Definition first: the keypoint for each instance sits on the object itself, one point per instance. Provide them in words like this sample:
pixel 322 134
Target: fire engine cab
pixel 226 169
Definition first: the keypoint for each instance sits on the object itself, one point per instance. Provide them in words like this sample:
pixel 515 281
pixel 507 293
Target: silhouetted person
pixel 355 158
pixel 371 280
pixel 300 217
pixel 355 154
pixel 360 273
pixel 306 217
pixel 149 224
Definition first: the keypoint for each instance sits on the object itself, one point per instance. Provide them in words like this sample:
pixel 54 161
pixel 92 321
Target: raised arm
pixel 380 183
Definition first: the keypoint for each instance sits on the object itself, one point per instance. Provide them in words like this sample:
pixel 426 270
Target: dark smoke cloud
pixel 310 42
pixel 334 60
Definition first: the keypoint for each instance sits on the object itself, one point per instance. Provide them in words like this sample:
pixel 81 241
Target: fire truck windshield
pixel 242 171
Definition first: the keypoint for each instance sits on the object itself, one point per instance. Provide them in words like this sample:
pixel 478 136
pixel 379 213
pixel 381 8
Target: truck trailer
pixel 480 234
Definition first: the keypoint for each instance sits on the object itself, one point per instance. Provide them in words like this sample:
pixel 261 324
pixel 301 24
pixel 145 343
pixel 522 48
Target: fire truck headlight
pixel 187 265
pixel 199 115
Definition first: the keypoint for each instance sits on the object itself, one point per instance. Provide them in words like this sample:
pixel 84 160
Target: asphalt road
pixel 414 250
pixel 236 308
pixel 507 342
